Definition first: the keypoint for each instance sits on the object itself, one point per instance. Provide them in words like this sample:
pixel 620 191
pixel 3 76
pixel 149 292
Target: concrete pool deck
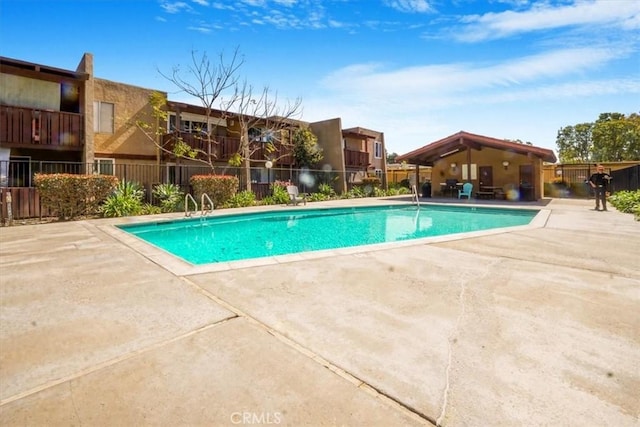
pixel 529 326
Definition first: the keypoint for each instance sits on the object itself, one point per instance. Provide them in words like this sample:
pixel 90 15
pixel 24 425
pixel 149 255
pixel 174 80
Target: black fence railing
pixel 626 179
pixel 20 173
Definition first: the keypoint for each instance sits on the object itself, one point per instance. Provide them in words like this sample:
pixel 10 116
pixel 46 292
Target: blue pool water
pixel 255 235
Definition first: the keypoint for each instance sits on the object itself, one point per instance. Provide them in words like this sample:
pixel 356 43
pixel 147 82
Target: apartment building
pixel 55 120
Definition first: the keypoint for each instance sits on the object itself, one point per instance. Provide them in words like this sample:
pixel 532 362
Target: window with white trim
pixel 104 166
pixel 103 117
pixel 474 171
pixel 377 149
pixel 379 173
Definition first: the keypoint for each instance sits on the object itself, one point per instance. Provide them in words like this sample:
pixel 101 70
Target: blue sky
pixel 417 70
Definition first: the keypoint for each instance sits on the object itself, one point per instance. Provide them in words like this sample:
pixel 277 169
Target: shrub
pixel 126 200
pixel 354 193
pixel 241 200
pixel 279 193
pixel 379 192
pixel 318 197
pixel 219 188
pixel 269 200
pixel 68 195
pixel 170 197
pixel 372 181
pixel 149 209
pixel 326 190
pixel 627 202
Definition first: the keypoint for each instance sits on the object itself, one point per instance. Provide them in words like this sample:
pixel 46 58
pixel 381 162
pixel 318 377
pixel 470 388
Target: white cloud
pixel 410 6
pixel 200 29
pixel 174 7
pixel 444 81
pixel 623 14
pixel 201 2
pixel 287 3
pixel 255 3
pixel 527 98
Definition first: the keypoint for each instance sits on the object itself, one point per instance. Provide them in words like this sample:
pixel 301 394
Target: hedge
pixel 69 195
pixel 219 188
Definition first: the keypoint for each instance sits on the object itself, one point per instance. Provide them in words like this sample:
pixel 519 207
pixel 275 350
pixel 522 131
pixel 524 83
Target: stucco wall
pixel 502 176
pixel 329 134
pixel 26 92
pixel 131 103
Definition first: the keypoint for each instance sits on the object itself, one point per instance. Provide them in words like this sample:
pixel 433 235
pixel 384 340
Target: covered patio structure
pixel 497 168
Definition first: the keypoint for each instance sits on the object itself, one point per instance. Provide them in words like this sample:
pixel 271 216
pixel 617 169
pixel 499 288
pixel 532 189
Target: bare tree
pixel 206 82
pixel 264 123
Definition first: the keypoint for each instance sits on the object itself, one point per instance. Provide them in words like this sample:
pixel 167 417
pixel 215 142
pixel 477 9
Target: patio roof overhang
pixel 359 132
pixel 462 141
pixel 38 71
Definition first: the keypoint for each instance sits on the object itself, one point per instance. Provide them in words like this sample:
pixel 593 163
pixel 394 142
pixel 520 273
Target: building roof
pixel 16 66
pixel 360 132
pixel 434 151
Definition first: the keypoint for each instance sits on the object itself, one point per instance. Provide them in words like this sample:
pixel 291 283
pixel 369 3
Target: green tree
pixel 575 143
pixel 616 137
pixel 306 151
pixel 612 138
pixel 391 158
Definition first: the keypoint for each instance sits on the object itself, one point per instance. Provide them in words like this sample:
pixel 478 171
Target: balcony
pixel 32 128
pixel 356 159
pixel 222 147
pixel 281 153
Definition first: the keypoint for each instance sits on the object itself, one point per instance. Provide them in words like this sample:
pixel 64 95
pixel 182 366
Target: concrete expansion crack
pixel 453 336
pixel 73 402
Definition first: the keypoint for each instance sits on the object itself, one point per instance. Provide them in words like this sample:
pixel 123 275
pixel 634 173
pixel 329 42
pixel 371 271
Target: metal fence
pixel 626 179
pixel 17 179
pixel 572 180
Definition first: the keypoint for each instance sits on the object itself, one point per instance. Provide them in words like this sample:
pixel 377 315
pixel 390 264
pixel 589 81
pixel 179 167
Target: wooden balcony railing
pixel 281 153
pixel 41 128
pixel 222 147
pixel 356 159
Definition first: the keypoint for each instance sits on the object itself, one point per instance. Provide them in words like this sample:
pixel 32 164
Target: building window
pixel 379 173
pixel 260 135
pixel 103 117
pixel 377 150
pixel 474 171
pixel 104 166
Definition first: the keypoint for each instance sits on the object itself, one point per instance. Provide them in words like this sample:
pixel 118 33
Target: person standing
pixel 599 181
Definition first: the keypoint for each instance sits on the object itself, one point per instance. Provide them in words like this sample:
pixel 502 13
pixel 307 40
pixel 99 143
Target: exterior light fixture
pixel 268 164
pixel 454 165
pixel 505 164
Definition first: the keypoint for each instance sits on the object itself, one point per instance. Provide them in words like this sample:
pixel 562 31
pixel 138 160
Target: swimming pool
pixel 255 235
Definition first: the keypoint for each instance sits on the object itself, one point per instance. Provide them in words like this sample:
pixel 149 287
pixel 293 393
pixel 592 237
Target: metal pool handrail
pixel 206 197
pixel 188 197
pixel 414 195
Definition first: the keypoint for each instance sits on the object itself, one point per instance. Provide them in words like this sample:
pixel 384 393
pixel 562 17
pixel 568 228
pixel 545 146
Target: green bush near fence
pixel 68 195
pixel 627 202
pixel 241 200
pixel 126 200
pixel 219 188
pixel 169 196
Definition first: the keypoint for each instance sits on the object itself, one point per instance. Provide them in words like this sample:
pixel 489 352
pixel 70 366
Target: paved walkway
pixel 535 326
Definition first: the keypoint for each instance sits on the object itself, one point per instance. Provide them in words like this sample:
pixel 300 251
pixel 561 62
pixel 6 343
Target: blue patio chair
pixel 467 188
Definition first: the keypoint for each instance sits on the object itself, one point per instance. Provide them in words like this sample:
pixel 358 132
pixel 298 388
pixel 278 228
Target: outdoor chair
pixel 294 196
pixel 467 188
